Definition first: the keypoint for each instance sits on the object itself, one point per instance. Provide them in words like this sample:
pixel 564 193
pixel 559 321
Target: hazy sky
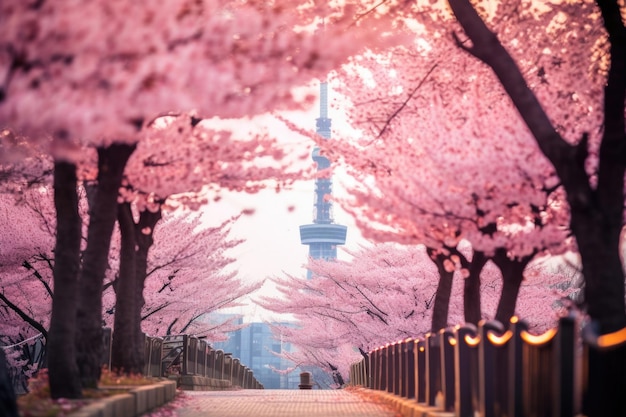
pixel 272 245
pixel 272 233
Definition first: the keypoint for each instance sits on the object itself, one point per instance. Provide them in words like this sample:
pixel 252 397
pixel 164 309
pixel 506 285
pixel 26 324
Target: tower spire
pixel 323 122
pixel 323 235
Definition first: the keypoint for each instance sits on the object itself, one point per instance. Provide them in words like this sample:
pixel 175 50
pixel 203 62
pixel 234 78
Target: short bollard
pixel 305 381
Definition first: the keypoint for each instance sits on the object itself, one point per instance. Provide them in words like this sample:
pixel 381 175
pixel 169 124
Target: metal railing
pixel 488 371
pixel 188 355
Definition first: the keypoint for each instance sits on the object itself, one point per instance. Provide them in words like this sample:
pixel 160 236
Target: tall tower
pixel 323 235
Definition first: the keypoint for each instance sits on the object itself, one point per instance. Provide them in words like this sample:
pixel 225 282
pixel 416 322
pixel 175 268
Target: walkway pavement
pixel 282 403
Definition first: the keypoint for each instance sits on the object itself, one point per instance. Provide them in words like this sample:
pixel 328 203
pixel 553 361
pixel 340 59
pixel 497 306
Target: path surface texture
pixel 281 403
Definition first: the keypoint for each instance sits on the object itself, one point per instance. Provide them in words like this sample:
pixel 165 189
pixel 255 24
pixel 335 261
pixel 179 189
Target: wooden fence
pixel 490 372
pixel 188 355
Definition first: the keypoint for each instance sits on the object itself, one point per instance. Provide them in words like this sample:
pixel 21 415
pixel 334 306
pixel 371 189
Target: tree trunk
pixel 137 238
pixel 144 239
pixel 111 163
pixel 63 372
pixel 471 289
pixel 8 402
pixel 123 350
pixel 597 218
pixel 442 296
pixel 602 269
pixel 512 277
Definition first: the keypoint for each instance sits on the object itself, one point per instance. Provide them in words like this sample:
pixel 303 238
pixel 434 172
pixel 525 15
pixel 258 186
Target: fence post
pixel 212 359
pixel 201 358
pixel 358 373
pixel 466 370
pixel 420 370
pixel 604 372
pixel 433 368
pixel 397 368
pixel 363 373
pixel 153 356
pixel 447 343
pixel 408 363
pixel 238 372
pixel 352 375
pixel 564 368
pixel 236 366
pixel 493 367
pixel 147 349
pixel 191 355
pixel 383 368
pixel 185 355
pixel 157 354
pixel 485 371
pixel 516 380
pixel 367 371
pixel 219 364
pixel 228 367
pixel 375 366
pixel 390 367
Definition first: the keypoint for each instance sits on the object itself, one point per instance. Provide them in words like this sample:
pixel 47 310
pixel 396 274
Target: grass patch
pixel 111 378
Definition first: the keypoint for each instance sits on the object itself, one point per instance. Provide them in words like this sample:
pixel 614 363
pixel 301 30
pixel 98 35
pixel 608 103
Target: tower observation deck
pixel 323 235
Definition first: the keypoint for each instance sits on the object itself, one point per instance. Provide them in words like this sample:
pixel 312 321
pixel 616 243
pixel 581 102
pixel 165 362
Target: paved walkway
pixel 281 403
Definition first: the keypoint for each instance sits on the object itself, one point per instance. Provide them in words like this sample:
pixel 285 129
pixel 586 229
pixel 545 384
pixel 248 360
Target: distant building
pixel 256 348
pixel 323 236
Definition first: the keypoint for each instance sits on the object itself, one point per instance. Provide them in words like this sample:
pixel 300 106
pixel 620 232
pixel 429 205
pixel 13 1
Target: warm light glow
pixel 537 340
pixel 612 339
pixel 472 341
pixel 499 340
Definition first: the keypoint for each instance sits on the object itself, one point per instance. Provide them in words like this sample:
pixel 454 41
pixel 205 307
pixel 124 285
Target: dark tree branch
pixel 404 104
pixel 171 326
pixel 37 275
pixel 154 311
pixel 31 322
pixel 371 302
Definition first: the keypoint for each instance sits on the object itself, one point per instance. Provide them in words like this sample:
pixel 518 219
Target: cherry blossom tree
pixel 385 293
pixel 592 177
pixel 424 110
pixel 26 263
pixel 191 260
pixel 590 168
pixel 357 296
pixel 508 216
pixel 26 288
pixel 164 177
pixel 185 278
pixel 97 73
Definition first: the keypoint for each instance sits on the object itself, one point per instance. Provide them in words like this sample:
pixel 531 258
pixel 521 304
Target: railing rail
pixel 188 355
pixel 493 372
